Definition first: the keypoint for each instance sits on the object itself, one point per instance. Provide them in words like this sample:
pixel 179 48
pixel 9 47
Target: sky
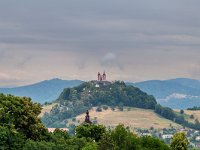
pixel 132 40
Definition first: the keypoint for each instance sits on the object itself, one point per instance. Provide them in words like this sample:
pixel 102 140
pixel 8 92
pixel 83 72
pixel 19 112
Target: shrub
pixel 121 106
pixel 179 141
pixel 192 116
pixel 181 111
pixel 98 109
pixel 105 107
pixel 73 119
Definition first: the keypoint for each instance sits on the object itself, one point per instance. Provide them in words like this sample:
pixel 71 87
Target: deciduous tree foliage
pixel 91 131
pixel 119 139
pixel 151 143
pixel 123 138
pixel 10 138
pixel 21 115
pixel 179 141
pixel 106 142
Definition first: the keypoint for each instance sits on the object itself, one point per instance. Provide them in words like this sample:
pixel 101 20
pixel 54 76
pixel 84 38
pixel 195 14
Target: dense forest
pixel 20 128
pixel 74 101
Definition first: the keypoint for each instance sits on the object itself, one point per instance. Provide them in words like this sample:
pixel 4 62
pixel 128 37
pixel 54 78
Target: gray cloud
pixel 111 60
pixel 132 40
pixel 2 55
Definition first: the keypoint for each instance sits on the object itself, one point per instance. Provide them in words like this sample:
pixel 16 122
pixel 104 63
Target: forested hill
pixel 106 93
pixel 74 101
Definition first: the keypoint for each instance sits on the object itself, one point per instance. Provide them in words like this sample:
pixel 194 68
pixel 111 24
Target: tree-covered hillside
pixel 74 101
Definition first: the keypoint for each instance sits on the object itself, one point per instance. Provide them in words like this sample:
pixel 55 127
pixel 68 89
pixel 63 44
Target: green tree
pixel 197 122
pixel 179 141
pixel 22 114
pixel 38 145
pixel 10 138
pixel 59 135
pixel 121 106
pixel 151 143
pixel 91 131
pixel 119 136
pixel 191 116
pixel 123 138
pixel 106 142
pixel 90 146
pixel 181 111
pixel 76 143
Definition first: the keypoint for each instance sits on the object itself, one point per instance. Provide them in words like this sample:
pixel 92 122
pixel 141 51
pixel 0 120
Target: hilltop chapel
pixel 101 77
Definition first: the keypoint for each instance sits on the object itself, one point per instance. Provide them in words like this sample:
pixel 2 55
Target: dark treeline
pixel 168 113
pixel 194 108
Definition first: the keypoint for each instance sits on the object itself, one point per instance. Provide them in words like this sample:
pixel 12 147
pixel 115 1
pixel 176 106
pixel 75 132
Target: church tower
pixel 104 76
pixel 99 76
pixel 87 117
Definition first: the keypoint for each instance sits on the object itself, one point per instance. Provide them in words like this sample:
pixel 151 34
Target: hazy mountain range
pixel 44 91
pixel 175 93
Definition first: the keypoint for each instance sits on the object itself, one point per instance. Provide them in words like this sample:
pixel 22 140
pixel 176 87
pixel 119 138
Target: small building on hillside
pixel 167 136
pixel 146 134
pixel 197 138
pixel 51 130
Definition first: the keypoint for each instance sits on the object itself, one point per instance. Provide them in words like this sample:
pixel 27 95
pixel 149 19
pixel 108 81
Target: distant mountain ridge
pixel 44 91
pixel 178 93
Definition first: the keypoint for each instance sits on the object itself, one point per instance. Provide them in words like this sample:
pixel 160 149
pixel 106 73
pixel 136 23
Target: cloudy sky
pixel 132 40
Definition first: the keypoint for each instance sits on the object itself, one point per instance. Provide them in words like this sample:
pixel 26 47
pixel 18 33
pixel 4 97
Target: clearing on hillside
pixel 132 117
pixel 46 108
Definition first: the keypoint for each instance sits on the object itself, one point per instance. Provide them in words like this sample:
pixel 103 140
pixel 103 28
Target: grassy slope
pixel 187 113
pixel 135 118
pixel 46 108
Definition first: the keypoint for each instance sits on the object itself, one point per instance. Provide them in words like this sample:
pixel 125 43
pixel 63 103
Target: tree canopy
pixel 179 141
pixel 19 119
